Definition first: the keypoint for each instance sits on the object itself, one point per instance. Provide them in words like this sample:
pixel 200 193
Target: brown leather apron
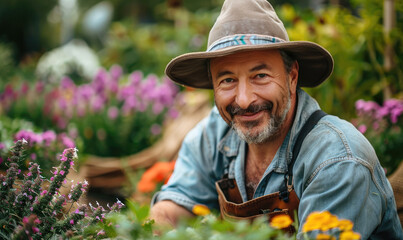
pixel 285 201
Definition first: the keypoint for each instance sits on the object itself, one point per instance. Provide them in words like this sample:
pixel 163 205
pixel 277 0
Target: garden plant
pixel 33 208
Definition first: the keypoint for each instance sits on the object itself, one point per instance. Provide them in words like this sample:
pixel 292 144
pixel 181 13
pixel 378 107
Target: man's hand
pixel 168 213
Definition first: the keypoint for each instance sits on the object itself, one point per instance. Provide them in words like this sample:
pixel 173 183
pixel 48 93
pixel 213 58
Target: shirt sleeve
pixel 345 188
pixel 193 180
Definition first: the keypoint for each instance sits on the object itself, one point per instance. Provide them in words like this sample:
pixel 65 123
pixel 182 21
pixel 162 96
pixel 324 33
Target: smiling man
pixel 266 148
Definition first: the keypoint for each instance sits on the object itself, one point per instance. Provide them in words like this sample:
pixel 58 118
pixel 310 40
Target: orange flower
pixel 200 210
pixel 322 236
pixel 158 173
pixel 280 221
pixel 350 235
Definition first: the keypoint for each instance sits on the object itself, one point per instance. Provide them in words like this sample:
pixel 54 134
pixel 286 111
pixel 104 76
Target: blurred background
pixel 90 74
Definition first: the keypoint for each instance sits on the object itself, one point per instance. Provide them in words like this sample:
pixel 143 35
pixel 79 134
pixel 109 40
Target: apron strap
pixel 288 177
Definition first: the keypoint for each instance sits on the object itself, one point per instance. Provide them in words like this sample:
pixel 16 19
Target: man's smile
pixel 249 116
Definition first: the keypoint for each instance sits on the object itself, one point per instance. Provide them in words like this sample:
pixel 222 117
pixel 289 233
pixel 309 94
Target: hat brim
pixel 315 63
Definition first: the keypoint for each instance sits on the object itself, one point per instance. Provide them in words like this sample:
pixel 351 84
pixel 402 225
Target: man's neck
pixel 263 153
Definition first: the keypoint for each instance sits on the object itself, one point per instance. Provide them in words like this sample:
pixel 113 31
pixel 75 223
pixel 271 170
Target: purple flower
pixel 157 108
pixel 97 103
pixel 85 92
pixel 116 72
pixel 113 112
pixel 63 103
pixel 362 128
pixel 48 137
pixel 67 83
pixel 29 136
pixel 130 103
pixel 2 145
pixel 100 80
pixel 392 103
pixel 135 78
pixel 126 91
pixel 394 114
pixel 366 106
pixel 149 86
pixel 72 221
pixel 67 142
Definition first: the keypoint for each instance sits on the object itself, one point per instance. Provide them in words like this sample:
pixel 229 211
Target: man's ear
pixel 293 77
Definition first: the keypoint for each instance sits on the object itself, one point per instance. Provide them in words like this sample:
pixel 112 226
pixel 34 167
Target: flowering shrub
pixel 41 148
pixel 114 115
pixel 382 125
pixel 29 210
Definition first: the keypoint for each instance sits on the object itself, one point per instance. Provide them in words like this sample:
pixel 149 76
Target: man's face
pixel 253 93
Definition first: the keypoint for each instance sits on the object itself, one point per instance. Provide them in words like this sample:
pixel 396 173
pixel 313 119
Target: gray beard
pixel 269 132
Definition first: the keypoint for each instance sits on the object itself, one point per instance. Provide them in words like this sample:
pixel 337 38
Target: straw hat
pixel 245 25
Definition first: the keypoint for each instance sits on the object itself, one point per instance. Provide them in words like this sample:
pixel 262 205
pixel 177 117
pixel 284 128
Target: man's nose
pixel 245 95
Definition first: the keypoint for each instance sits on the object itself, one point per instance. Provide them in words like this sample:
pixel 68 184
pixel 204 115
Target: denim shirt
pixel 336 170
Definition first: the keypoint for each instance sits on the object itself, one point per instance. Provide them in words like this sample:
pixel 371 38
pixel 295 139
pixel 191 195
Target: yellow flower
pixel 350 235
pixel 331 222
pixel 280 221
pixel 322 236
pixel 200 210
pixel 345 225
pixel 314 221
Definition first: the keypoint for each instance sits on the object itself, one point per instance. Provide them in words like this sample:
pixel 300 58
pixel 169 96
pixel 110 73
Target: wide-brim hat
pixel 246 25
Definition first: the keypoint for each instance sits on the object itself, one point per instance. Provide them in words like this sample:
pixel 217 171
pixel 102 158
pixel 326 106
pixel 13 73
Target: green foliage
pixel 133 223
pixel 23 23
pixel 357 43
pixel 150 47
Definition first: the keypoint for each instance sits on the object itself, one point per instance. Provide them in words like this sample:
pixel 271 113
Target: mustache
pixel 235 109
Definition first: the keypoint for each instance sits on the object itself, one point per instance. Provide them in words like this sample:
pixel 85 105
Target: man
pixel 259 151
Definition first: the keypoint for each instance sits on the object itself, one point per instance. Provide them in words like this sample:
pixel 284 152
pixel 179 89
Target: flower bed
pixel 113 115
pixel 382 125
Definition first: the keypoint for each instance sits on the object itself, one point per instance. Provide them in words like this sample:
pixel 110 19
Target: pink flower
pixel 116 72
pixel 362 128
pixel 135 78
pixel 67 142
pixel 48 137
pixel 72 221
pixel 113 112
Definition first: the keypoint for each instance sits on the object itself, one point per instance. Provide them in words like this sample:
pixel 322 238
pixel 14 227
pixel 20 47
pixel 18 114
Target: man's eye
pixel 228 80
pixel 261 75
